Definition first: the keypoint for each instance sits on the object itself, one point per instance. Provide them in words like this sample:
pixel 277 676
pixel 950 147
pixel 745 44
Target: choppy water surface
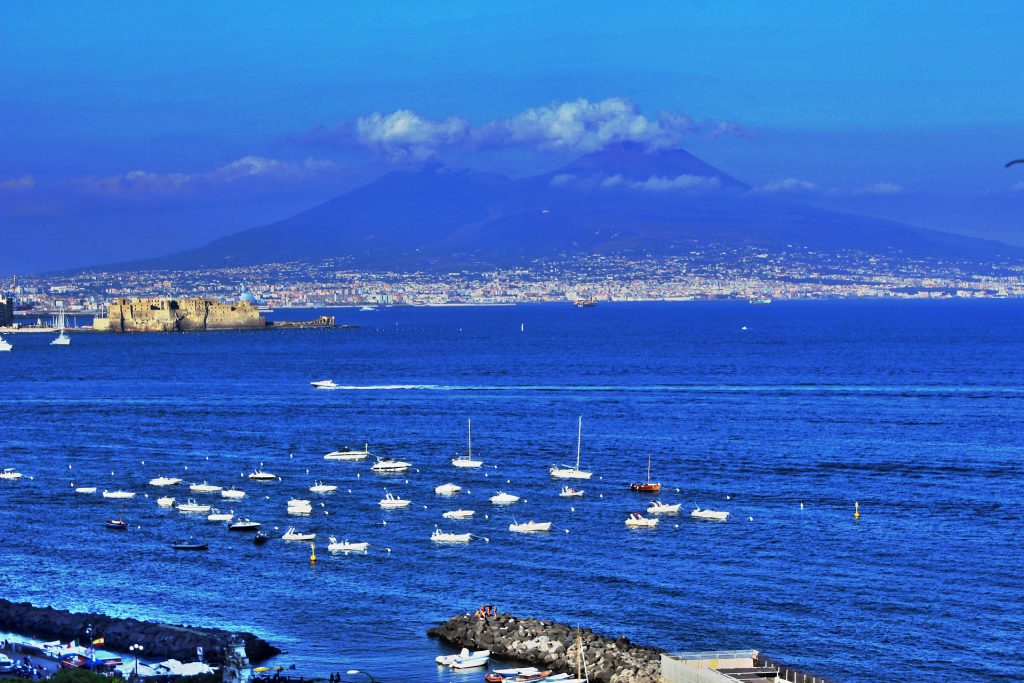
pixel 913 409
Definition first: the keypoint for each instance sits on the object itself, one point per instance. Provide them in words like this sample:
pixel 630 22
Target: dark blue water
pixel 913 409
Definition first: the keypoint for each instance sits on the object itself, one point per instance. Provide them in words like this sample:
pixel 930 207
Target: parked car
pixel 6 664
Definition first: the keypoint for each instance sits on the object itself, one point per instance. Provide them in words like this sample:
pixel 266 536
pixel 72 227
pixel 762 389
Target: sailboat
pixel 118 524
pixel 5 345
pixel 565 472
pixel 649 486
pixel 62 338
pixel 468 461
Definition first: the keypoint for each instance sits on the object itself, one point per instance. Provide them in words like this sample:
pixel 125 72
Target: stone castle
pixel 173 315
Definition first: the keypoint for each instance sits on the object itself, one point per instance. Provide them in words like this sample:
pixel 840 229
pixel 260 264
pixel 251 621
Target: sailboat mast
pixel 579 439
pixel 469 422
pixel 648 468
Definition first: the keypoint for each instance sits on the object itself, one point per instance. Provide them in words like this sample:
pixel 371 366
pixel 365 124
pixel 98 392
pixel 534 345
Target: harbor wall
pixel 549 645
pixel 174 315
pixel 159 640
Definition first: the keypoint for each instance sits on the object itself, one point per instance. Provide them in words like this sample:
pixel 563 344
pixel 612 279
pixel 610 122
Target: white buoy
pixel 750 519
pixel 801 506
pixel 69 466
pixel 572 509
pixel 728 497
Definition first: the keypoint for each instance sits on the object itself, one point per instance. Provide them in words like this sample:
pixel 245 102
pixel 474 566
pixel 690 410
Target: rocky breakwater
pixel 159 640
pixel 548 645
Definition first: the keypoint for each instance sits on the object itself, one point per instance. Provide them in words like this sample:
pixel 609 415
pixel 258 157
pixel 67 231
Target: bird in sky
pixel 1015 161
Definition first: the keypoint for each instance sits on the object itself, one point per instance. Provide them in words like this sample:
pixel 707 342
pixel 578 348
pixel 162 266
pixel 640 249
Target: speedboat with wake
pixel 325 384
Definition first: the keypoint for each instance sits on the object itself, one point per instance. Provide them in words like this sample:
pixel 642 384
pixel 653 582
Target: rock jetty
pixel 548 645
pixel 159 640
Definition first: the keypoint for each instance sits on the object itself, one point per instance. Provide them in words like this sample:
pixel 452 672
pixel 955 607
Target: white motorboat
pixel 166 502
pixel 568 472
pixel 85 489
pixel 243 524
pixel 467 460
pixel 297 506
pixel 710 515
pixel 232 493
pixel 345 547
pixel 524 671
pixel 320 487
pixel 529 527
pixel 389 465
pixel 293 535
pixel 5 345
pixel 218 516
pixel 62 339
pixel 637 520
pixel 344 453
pixel 447 489
pixel 165 481
pixel 260 475
pixel 9 474
pixel 570 492
pixel 204 488
pixel 391 502
pixel 465 659
pixel 119 495
pixel 325 384
pixel 502 498
pixel 367 309
pixel 658 508
pixel 443 537
pixel 458 514
pixel 191 506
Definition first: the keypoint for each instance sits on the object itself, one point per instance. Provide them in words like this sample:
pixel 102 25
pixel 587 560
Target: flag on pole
pixel 98 641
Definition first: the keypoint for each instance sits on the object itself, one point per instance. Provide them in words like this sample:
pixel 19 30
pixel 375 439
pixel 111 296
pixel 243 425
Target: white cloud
pixel 25 182
pixel 585 126
pixel 663 183
pixel 787 186
pixel 562 179
pixel 797 186
pixel 405 135
pixel 143 183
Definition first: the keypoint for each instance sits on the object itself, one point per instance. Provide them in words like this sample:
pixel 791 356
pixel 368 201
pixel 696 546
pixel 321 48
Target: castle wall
pixel 170 315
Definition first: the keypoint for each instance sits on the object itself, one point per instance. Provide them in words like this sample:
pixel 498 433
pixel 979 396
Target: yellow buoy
pixel 856 510
pixel 312 553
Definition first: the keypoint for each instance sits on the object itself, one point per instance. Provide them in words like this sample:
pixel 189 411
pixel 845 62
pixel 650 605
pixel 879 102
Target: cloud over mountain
pixel 796 186
pixel 405 135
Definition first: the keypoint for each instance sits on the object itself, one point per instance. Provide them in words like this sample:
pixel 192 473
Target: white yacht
pixel 191 506
pixel 570 492
pixel 502 498
pixel 165 502
pixel 458 514
pixel 710 515
pixel 5 345
pixel 658 508
pixel 85 489
pixel 388 465
pixel 293 535
pixel 320 487
pixel 392 502
pixel 218 516
pixel 637 520
pixel 297 506
pixel 325 384
pixel 345 547
pixel 567 472
pixel 442 537
pixel 165 481
pixel 9 474
pixel 62 339
pixel 467 460
pixel 447 489
pixel 260 475
pixel 204 488
pixel 344 453
pixel 119 495
pixel 232 493
pixel 243 524
pixel 529 527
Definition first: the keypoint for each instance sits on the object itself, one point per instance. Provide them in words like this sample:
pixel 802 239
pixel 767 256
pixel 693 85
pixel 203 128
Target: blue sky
pixel 148 127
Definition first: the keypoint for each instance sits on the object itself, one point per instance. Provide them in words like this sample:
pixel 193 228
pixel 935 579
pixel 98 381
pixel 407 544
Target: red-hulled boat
pixel 649 486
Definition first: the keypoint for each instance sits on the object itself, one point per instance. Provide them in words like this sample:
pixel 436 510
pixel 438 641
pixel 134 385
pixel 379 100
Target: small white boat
pixel 658 508
pixel 85 489
pixel 9 474
pixel 367 309
pixel 243 524
pixel 391 502
pixel 387 465
pixel 232 493
pixel 204 488
pixel 570 492
pixel 62 339
pixel 567 471
pixel 320 487
pixel 293 535
pixel 502 498
pixel 465 659
pixel 443 537
pixel 218 516
pixel 467 460
pixel 325 384
pixel 447 489
pixel 297 506
pixel 525 671
pixel 345 454
pixel 5 345
pixel 710 515
pixel 458 514
pixel 165 502
pixel 260 475
pixel 637 520
pixel 529 527
pixel 164 481
pixel 345 547
pixel 191 506
pixel 119 495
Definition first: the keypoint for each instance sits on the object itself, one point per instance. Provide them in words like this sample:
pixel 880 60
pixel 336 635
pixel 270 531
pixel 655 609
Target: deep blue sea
pixel 913 409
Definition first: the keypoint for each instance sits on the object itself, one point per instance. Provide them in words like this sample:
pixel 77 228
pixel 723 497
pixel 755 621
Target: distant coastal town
pixel 726 273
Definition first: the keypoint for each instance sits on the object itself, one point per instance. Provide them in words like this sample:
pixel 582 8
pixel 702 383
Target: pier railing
pixel 787 673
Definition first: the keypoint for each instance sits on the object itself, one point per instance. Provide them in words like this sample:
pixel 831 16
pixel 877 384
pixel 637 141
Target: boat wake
pixel 694 388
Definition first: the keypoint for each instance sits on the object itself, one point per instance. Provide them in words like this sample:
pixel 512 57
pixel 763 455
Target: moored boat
pixel 204 488
pixel 658 508
pixel 119 495
pixel 166 502
pixel 164 481
pixel 260 538
pixel 191 506
pixel 189 545
pixel 568 471
pixel 465 659
pixel 648 486
pixel 232 493
pixel 570 492
pixel 346 547
pixel 458 514
pixel 390 465
pixel 85 489
pixel 447 489
pixel 218 516
pixel 502 498
pixel 260 475
pixel 391 502
pixel 5 345
pixel 444 537
pixel 637 520
pixel 529 527
pixel 320 487
pixel 710 515
pixel 467 460
pixel 298 506
pixel 344 453
pixel 293 535
pixel 243 524
pixel 10 474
